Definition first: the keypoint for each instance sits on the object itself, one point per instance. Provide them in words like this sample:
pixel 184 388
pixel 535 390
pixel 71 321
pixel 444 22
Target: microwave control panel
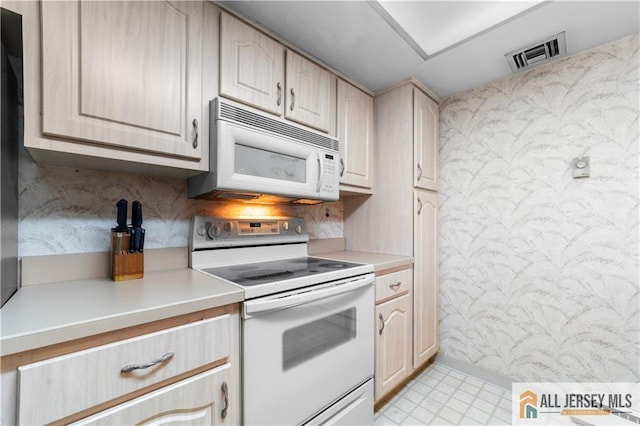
pixel 330 183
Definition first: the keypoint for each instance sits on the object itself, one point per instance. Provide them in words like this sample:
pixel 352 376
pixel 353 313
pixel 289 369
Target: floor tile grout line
pixel 451 396
pixel 432 383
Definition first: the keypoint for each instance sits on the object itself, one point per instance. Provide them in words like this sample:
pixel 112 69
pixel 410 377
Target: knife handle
pixel 141 246
pixel 121 218
pixel 136 214
pixel 134 242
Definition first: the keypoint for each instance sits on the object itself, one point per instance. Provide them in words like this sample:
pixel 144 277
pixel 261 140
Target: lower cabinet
pixel 394 334
pixel 183 370
pixel 202 399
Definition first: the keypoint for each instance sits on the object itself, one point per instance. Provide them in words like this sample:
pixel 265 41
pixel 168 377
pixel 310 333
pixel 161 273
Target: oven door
pixel 304 350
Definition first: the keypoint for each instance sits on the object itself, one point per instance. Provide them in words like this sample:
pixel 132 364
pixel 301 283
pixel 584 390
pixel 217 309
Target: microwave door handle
pixel 320 172
pixel 261 306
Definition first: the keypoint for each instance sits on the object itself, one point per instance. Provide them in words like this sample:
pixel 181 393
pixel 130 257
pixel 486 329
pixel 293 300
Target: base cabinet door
pixel 200 400
pixel 393 344
pixel 425 281
pixel 182 370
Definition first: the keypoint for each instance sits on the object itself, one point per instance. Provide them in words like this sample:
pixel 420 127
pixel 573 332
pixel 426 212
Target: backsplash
pixel 63 210
pixel 539 271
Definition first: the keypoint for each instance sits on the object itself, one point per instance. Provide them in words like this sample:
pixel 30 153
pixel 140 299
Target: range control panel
pixel 248 228
pixel 214 232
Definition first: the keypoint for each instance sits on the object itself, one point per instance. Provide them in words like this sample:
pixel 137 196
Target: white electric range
pixel 307 322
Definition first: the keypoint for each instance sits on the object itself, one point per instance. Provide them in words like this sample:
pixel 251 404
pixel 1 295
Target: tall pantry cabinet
pixel 401 217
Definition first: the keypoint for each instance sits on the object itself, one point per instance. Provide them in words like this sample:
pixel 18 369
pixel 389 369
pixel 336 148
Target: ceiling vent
pixel 539 53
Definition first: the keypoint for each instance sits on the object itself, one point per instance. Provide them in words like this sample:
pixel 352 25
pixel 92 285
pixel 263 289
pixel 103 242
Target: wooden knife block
pixel 125 265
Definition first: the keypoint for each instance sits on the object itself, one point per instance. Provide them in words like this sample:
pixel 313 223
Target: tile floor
pixel 443 396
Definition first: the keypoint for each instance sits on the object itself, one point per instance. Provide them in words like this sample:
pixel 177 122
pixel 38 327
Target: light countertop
pixel 45 314
pixel 379 261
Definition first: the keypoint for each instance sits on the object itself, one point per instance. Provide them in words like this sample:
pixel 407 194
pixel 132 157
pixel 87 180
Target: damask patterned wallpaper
pixel 63 210
pixel 539 271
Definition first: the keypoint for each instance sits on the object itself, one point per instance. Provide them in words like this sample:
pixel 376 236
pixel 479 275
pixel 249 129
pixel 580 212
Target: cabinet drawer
pixel 393 284
pixel 58 387
pixel 196 400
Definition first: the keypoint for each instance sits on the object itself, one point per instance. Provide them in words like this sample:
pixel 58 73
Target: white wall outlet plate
pixel 580 166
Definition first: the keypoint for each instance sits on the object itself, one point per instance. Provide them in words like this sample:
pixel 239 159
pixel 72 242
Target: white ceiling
pixel 353 38
pixel 438 25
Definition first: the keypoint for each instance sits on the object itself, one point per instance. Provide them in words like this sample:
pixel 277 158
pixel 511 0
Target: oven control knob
pixel 202 231
pixel 298 229
pixel 213 231
pixel 285 226
pixel 227 227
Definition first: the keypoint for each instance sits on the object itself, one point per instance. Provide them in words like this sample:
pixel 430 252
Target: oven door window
pixel 312 339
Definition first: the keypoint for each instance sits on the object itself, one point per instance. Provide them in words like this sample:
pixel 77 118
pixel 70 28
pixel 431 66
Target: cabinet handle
pixel 279 87
pixel 421 205
pixel 395 286
pixel 381 323
pixel 129 368
pixel 225 394
pixel 293 99
pixel 341 167
pixel 419 171
pixel 195 130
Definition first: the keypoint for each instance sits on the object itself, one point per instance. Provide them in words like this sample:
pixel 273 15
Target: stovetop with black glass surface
pixel 252 274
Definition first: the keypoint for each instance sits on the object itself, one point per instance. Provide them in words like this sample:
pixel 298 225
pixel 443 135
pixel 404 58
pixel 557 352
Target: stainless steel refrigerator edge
pixel 11 125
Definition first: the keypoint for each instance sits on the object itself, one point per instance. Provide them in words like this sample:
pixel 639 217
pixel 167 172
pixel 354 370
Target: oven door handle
pixel 260 306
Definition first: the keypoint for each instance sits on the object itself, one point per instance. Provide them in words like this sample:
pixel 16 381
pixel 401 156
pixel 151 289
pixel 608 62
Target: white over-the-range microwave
pixel 259 158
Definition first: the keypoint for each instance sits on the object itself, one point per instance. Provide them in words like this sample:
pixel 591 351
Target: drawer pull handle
pixel 129 368
pixel 395 286
pixel 225 393
pixel 381 323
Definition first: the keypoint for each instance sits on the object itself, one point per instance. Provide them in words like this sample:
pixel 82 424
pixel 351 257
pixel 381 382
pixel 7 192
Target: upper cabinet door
pixel 124 74
pixel 310 93
pixel 251 66
pixel 425 141
pixel 355 132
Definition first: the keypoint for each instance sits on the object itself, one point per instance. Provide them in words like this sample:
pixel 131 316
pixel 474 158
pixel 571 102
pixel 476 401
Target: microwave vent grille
pixel 230 112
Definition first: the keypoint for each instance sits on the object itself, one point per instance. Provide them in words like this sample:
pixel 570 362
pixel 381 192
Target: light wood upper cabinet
pixel 425 282
pixel 253 71
pixel 251 66
pixel 310 93
pixel 425 141
pixel 355 132
pixel 124 74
